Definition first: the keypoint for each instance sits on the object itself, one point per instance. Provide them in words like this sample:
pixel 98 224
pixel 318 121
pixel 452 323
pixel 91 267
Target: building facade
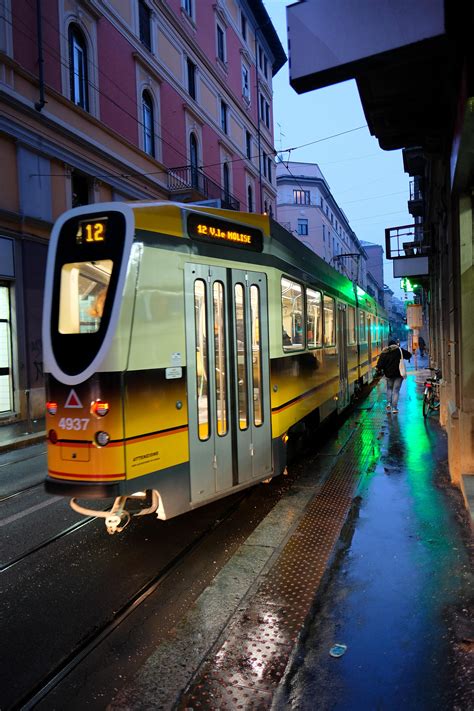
pixel 120 100
pixel 307 208
pixel 375 274
pixel 415 75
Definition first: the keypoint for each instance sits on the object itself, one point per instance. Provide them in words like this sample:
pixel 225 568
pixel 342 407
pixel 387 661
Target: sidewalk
pixel 18 434
pixel 371 550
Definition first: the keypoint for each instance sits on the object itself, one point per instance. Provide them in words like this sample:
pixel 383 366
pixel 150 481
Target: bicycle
pixel 431 392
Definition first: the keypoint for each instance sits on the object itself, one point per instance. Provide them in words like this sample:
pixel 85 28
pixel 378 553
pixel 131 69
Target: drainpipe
pixel 39 31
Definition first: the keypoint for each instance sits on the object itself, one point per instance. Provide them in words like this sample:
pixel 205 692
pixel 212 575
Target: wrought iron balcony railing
pixel 191 180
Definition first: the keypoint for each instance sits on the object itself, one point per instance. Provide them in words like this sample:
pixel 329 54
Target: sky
pixel 369 184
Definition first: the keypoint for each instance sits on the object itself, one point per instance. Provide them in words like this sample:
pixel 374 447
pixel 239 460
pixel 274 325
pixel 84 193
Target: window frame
pixel 351 329
pixel 302 222
pixel 301 197
pixel 148 124
pixel 331 299
pixel 293 347
pixel 144 28
pixel 221 49
pixel 77 41
pixel 318 343
pixel 224 117
pixel 191 77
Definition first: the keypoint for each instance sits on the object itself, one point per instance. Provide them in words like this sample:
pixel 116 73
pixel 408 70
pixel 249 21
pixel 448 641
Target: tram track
pixel 44 544
pixel 20 491
pixel 92 640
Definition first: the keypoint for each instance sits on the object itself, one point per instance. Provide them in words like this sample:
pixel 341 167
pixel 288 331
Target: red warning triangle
pixel 73 400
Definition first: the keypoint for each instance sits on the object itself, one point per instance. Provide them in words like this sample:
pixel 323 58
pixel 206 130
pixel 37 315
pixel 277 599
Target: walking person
pixel 389 364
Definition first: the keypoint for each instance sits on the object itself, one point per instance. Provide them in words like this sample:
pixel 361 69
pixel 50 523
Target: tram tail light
pixel 285 438
pixel 99 408
pixel 53 436
pixel 52 407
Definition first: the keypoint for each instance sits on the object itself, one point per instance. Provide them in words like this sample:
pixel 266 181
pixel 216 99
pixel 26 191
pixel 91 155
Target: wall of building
pixel 45 149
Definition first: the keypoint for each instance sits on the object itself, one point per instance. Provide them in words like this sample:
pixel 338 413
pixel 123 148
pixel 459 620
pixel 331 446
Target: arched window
pixel 193 155
pixel 148 124
pixel 250 198
pixel 226 176
pixel 78 67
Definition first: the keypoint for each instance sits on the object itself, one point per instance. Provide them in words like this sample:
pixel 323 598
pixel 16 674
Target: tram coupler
pixel 118 517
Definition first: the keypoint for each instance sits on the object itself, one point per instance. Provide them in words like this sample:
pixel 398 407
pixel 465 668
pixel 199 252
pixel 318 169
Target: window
pixel 302 226
pixel 224 111
pixel 78 68
pixel 148 123
pixel 314 321
pixel 187 6
pixel 269 169
pixel 351 326
pixel 301 197
pixel 265 67
pixel 264 163
pixel 80 189
pixel 83 295
pixel 362 327
pixel 220 43
pixel 257 385
pixel 226 180
pixel 245 82
pixel 248 144
pixel 262 62
pixel 264 111
pixel 329 321
pixel 191 79
pixel 144 23
pixel 250 198
pixel 6 381
pixel 292 315
pixel 243 26
pixel 193 155
pixel 324 233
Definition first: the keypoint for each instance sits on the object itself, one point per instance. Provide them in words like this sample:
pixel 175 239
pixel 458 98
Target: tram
pixel 183 346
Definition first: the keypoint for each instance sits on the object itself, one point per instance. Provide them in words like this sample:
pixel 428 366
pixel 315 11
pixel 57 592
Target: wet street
pixel 363 552
pixel 400 594
pixel 395 591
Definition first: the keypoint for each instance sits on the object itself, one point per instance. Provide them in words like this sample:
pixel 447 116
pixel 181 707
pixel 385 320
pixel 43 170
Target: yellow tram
pixel 182 344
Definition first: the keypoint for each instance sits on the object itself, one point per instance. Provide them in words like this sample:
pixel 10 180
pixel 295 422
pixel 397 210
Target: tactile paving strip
pixel 245 671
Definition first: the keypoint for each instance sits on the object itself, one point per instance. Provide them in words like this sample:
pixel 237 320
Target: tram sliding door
pixel 227 378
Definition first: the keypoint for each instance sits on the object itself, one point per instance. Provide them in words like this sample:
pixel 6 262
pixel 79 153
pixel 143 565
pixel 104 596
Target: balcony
pixel 189 184
pixel 407 247
pixel 415 203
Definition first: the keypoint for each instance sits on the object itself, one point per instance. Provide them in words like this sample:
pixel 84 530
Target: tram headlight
pixel 102 438
pixel 52 407
pixel 99 408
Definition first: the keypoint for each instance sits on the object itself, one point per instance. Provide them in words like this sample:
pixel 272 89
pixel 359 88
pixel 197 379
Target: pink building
pixel 124 100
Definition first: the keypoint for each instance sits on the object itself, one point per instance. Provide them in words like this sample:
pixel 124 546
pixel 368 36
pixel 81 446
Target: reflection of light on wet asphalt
pixel 32 509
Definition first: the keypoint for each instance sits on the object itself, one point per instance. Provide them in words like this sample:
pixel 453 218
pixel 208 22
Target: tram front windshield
pixel 83 294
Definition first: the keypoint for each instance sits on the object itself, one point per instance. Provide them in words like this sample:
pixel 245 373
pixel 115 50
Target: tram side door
pixel 342 348
pixel 227 378
pixel 369 344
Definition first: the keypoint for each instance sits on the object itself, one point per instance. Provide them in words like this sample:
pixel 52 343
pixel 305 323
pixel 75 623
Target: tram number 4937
pixel 73 423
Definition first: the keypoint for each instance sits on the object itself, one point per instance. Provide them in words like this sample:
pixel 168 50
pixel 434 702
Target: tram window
pixel 202 361
pixel 256 356
pixel 351 326
pixel 220 358
pixel 314 321
pixel 362 327
pixel 241 337
pixel 329 321
pixel 83 294
pixel 292 315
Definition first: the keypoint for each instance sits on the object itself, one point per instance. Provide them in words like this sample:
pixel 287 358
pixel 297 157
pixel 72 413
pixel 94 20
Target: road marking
pixel 26 512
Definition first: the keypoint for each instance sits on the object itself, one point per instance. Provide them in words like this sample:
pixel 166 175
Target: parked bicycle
pixel 431 392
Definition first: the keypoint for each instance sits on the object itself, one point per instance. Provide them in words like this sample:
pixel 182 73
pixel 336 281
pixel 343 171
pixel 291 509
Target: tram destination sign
pixel 232 234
